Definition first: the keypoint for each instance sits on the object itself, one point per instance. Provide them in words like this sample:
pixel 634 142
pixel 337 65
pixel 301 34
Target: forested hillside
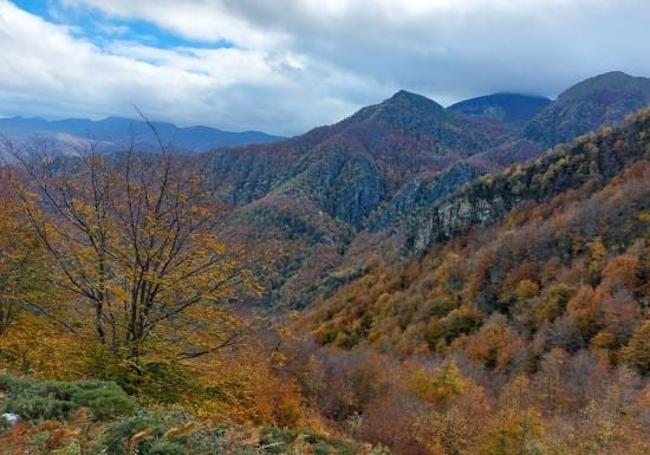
pixel 601 99
pixel 443 248
pixel 378 177
pixel 534 295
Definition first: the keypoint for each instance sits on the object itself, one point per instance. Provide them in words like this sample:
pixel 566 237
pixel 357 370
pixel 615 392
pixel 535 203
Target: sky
pixel 284 66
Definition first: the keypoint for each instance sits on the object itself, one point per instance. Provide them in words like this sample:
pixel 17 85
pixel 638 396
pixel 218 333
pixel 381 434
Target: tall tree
pixel 132 235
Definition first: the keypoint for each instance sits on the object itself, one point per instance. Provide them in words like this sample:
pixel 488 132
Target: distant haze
pixel 288 65
pixel 114 134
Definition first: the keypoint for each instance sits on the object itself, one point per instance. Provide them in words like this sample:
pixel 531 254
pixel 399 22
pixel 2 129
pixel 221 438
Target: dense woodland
pixel 506 315
pixel 541 316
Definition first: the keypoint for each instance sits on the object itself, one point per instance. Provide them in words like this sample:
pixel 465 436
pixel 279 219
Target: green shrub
pixel 117 435
pixel 39 440
pixel 37 401
pixel 278 441
pixel 37 408
pixel 161 382
pixel 72 449
pixel 211 440
pixel 155 436
pixel 165 448
pixel 105 401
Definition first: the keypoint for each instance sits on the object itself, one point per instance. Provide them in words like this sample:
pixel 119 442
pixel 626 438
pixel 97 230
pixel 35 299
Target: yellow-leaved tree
pixel 133 237
pixel 22 284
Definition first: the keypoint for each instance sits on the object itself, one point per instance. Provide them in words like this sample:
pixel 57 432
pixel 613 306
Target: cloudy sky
pixel 284 66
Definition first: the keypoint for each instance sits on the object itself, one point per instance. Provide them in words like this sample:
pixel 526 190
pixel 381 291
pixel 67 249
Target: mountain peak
pixel 404 97
pixel 613 81
pixel 394 110
pixel 602 99
pixel 612 75
pixel 405 94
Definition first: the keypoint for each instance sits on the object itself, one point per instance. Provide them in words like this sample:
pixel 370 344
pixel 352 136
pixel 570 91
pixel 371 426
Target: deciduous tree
pixel 133 237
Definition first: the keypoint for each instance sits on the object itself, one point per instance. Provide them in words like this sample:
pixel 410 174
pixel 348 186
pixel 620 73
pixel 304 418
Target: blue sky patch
pixel 102 30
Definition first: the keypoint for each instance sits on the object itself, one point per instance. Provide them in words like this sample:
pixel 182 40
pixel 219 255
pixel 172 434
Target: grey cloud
pixel 529 46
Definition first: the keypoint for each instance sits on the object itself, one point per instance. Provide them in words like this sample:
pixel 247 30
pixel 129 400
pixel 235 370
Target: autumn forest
pixel 411 280
pixel 352 227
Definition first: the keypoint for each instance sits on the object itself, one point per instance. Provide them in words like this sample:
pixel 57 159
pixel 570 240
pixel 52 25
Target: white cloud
pixel 198 20
pixel 49 71
pixel 299 63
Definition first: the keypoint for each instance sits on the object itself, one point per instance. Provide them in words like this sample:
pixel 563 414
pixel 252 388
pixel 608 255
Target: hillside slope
pixel 375 178
pixel 389 143
pixel 553 246
pixel 525 325
pixel 307 197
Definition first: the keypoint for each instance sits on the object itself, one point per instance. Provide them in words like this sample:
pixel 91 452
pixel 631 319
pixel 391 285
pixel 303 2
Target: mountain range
pixel 377 177
pixel 112 133
pixel 382 181
pixel 425 280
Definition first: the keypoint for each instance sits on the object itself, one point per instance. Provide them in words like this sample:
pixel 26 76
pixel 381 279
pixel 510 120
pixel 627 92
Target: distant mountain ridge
pixel 354 167
pixel 112 133
pixel 602 99
pixel 511 108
